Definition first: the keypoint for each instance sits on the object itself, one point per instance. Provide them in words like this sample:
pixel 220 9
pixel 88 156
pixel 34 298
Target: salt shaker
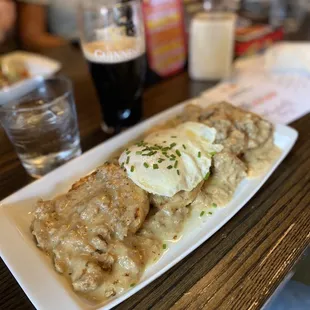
pixel 211 45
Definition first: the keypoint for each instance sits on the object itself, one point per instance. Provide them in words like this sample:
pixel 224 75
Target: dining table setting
pixel 244 262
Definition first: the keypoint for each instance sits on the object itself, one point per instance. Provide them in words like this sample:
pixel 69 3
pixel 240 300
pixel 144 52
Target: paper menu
pixel 281 96
pixel 281 99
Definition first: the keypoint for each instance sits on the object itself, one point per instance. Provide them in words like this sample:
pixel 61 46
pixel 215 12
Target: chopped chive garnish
pixel 214 205
pixel 172 145
pixel 146 165
pixel 202 213
pixel 149 153
pixel 199 154
pixel 164 246
pixel 165 154
pixel 138 152
pixel 210 213
pixel 207 176
pixel 165 149
pixel 178 172
pixel 122 165
pixel 178 153
pixel 212 153
pixel 128 152
pixel 173 136
pixel 140 143
pixel 169 167
pixel 132 284
pixel 160 160
pixel 127 160
pixel 132 168
pixel 175 164
pixel 155 166
pixel 184 147
pixel 164 141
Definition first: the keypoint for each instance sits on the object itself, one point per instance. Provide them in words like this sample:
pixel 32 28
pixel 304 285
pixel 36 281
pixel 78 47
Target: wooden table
pixel 243 263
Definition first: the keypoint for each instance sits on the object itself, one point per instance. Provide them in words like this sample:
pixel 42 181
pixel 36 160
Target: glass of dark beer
pixel 113 43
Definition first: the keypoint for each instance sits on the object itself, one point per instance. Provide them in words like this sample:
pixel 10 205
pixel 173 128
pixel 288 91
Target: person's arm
pixel 33 27
pixel 7 17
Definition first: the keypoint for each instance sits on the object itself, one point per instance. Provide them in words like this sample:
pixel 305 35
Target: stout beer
pixel 117 67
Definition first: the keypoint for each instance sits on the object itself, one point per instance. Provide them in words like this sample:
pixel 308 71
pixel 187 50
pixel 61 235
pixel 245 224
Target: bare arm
pixel 7 17
pixel 33 29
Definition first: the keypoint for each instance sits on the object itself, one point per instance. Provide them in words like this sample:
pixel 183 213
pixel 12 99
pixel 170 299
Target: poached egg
pixel 171 160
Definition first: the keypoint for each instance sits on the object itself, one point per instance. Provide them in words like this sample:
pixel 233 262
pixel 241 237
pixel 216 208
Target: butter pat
pixel 211 45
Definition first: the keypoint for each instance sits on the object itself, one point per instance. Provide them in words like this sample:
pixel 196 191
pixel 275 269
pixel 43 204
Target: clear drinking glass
pixel 113 43
pixel 42 125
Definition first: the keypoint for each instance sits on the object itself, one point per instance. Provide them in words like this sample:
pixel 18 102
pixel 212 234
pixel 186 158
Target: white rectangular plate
pixel 36 64
pixel 34 271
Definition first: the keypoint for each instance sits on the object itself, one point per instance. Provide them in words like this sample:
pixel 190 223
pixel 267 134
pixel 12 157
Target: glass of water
pixel 42 125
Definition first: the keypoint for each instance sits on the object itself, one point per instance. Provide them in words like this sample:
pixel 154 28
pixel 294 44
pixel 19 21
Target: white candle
pixel 211 45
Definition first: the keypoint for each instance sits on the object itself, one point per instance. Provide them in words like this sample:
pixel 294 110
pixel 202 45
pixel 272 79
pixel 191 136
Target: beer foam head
pixel 113 51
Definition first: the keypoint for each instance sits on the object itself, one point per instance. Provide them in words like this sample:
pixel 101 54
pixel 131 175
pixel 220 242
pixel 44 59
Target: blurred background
pixel 46 26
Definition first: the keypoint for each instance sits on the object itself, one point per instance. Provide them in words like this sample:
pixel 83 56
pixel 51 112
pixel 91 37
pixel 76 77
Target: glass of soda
pixel 113 43
pixel 42 125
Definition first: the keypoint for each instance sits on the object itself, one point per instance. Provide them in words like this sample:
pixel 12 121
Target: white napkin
pixel 288 57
